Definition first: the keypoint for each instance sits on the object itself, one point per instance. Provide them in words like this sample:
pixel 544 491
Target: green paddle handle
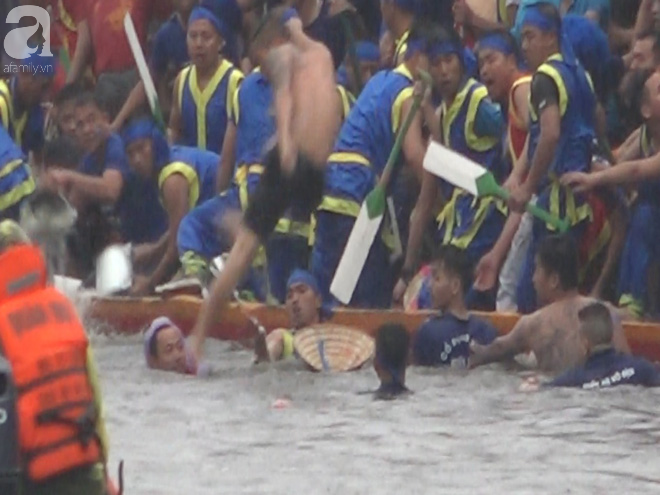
pixel 403 130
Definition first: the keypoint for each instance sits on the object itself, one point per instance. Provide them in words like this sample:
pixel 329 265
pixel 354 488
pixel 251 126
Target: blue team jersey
pixel 610 368
pixel 16 181
pixel 25 127
pixel 170 51
pixel 111 155
pixel 445 340
pixel 199 167
pixel 577 104
pixel 367 136
pixel 204 114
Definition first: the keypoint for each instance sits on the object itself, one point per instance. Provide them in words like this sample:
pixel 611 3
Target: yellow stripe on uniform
pixel 202 98
pixel 19 192
pixel 477 143
pixel 349 157
pixel 235 80
pixel 347 100
pixel 401 98
pixel 190 175
pixel 450 113
pixel 401 47
pixel 554 74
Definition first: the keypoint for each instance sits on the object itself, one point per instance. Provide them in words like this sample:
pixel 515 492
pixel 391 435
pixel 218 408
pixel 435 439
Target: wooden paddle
pixel 475 179
pixel 143 69
pixel 371 215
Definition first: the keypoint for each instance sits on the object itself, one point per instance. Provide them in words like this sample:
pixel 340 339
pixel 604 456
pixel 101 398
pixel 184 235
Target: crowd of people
pixel 274 121
pixel 556 99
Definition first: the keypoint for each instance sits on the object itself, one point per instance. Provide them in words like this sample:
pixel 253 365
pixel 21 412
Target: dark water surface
pixel 457 434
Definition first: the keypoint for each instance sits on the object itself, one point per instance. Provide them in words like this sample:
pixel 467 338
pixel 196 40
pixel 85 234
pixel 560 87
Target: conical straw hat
pixel 343 348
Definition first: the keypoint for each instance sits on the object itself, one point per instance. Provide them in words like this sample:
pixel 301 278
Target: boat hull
pixel 132 315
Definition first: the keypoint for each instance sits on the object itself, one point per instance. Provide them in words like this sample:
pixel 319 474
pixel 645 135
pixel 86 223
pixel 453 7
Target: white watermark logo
pixel 16 41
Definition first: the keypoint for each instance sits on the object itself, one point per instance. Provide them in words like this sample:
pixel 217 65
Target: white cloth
pixel 510 273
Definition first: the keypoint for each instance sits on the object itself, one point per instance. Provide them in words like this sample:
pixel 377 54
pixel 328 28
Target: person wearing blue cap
pixel 562 110
pixel 21 96
pixel 470 124
pixel 304 307
pixel 203 92
pixel 186 177
pixel 359 156
pixel 368 59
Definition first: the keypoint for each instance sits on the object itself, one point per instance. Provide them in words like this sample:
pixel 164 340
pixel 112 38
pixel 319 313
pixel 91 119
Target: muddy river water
pixel 459 433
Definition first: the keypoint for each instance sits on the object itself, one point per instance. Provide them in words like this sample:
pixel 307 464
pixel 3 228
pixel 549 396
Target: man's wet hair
pixel 596 323
pixel 456 263
pixel 69 94
pixel 62 152
pixel 392 343
pixel 269 28
pixel 559 254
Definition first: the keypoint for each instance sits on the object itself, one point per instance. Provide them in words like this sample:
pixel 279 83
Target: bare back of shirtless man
pixel 553 332
pixel 307 119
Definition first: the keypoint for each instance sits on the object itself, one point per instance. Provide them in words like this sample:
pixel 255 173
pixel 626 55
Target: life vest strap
pixel 85 424
pixel 52 376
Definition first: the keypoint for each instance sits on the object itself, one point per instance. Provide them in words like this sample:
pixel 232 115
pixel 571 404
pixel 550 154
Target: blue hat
pixel 367 51
pixel 300 276
pixel 199 13
pixel 146 128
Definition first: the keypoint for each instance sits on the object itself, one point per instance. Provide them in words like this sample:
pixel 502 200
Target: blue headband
pixel 496 42
pixel 300 276
pixel 146 128
pixel 201 13
pixel 367 51
pixel 535 18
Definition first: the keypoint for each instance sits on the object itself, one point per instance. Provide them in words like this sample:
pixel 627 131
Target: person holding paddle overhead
pixel 470 124
pixel 307 116
pixel 562 111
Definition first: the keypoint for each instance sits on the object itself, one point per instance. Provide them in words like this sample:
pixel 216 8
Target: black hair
pixel 392 342
pixel 68 94
pixel 456 262
pixel 63 152
pixel 559 254
pixel 269 28
pixel 597 324
pixel 104 97
pixel 634 93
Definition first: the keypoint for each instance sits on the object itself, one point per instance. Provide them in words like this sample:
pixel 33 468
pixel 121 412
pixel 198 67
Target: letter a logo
pixel 16 41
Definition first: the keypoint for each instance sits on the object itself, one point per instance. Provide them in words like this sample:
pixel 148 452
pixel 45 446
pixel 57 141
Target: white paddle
pixel 143 69
pixel 475 179
pixel 368 222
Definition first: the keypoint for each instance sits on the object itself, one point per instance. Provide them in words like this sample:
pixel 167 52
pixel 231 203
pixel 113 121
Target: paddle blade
pixel 452 167
pixel 143 69
pixel 355 253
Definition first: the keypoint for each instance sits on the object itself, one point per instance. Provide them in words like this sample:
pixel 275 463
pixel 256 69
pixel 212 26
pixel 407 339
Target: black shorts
pixel 276 192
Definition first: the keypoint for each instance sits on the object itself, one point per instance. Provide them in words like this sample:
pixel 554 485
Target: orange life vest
pixel 45 342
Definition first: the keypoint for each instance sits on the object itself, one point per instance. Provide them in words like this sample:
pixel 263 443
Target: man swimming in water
pixel 307 116
pixel 392 342
pixel 551 333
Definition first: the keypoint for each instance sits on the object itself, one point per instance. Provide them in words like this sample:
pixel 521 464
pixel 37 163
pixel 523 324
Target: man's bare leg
pixel 240 259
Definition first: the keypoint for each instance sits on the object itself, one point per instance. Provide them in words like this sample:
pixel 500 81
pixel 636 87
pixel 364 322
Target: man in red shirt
pixel 103 42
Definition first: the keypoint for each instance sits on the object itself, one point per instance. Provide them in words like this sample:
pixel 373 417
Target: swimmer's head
pixel 451 277
pixel 392 342
pixel 269 33
pixel 556 270
pixel 303 299
pixel 165 347
pixel 11 234
pixel 596 326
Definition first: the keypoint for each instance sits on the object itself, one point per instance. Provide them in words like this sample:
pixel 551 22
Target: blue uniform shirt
pixel 444 340
pixel 609 368
pixel 170 50
pixel 110 156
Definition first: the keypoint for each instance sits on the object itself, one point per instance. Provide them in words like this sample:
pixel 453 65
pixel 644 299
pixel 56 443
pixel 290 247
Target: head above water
pixel 146 147
pixel 164 346
pixel 596 325
pixel 303 299
pixel 557 268
pixel 451 277
pixel 541 33
pixel 499 61
pixel 392 345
